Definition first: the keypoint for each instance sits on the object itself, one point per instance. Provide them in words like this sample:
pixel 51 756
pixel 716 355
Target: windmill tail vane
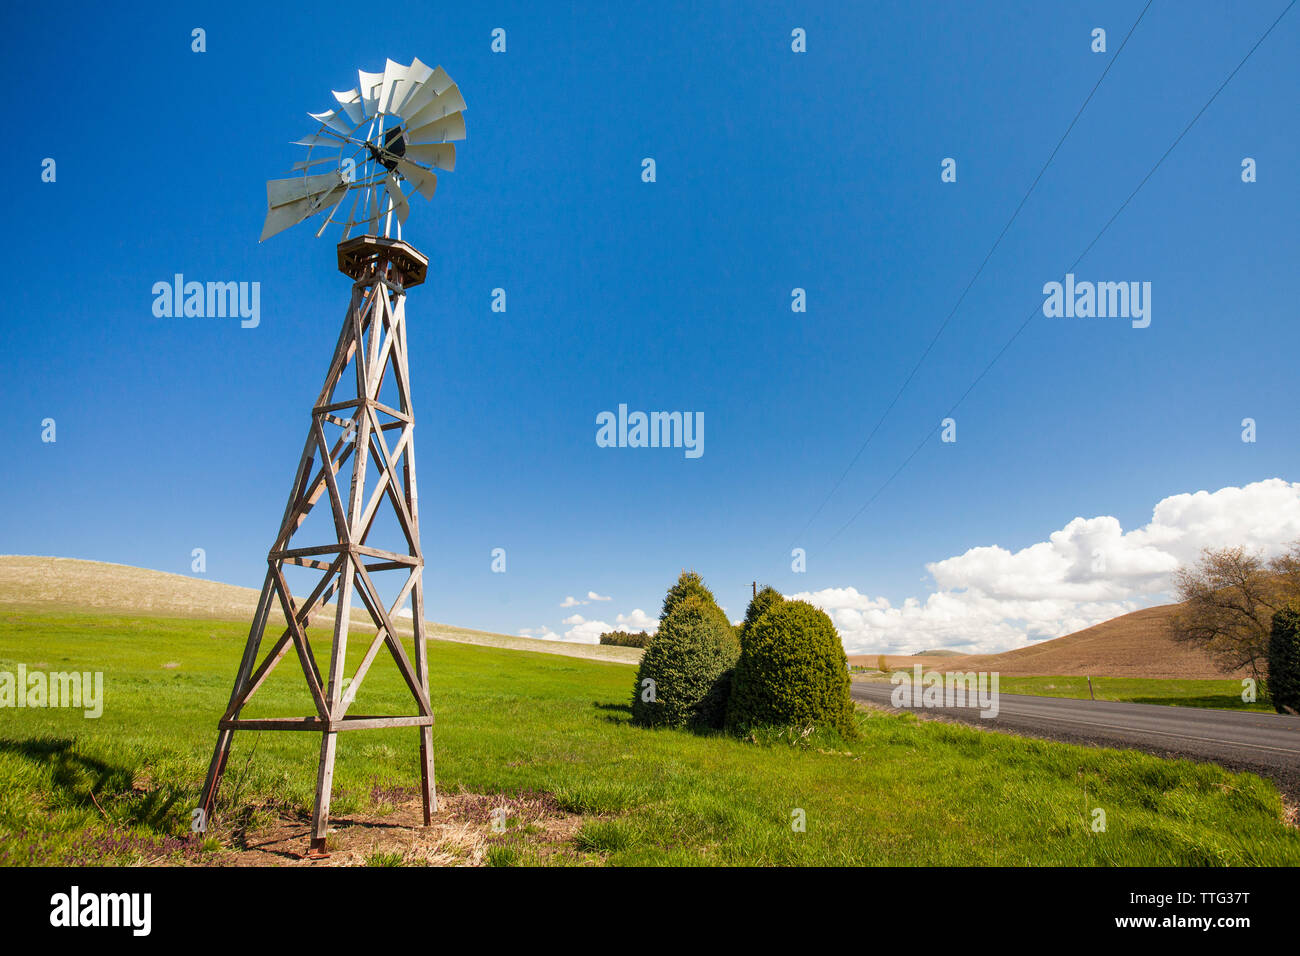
pixel 392 130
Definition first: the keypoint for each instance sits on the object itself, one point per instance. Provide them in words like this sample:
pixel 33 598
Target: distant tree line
pixel 625 639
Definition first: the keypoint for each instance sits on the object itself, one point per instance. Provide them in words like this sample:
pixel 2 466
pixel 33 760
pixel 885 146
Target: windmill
pixel 389 132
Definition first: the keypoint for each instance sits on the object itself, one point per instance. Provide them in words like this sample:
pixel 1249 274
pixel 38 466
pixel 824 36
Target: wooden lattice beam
pixel 373 342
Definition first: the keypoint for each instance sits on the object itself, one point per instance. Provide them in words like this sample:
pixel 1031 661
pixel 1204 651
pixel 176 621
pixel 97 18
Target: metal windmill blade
pixel 290 201
pixel 389 132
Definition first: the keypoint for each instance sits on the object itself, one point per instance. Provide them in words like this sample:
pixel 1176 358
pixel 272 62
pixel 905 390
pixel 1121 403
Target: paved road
pixel 1267 744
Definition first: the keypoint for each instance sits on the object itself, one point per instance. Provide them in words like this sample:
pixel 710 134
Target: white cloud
pixel 638 620
pixel 543 633
pixel 571 601
pixel 582 631
pixel 991 599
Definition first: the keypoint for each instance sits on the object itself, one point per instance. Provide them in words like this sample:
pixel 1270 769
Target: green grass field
pixel 120 788
pixel 1218 694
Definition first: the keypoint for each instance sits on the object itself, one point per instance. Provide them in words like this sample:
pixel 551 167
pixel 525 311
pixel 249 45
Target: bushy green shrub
pixel 687 585
pixel 1284 661
pixel 766 599
pixel 625 639
pixel 792 670
pixel 690 662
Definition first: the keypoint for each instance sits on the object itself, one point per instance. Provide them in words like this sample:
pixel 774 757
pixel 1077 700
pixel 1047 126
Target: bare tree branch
pixel 1229 598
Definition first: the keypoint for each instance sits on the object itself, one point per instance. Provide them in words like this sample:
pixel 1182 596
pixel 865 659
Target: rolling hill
pixel 1131 645
pixel 70 584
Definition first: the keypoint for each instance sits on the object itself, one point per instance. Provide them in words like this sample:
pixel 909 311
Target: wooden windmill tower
pixel 359 457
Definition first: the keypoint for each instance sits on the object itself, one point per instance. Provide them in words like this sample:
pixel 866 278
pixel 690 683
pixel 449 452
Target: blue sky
pixel 775 170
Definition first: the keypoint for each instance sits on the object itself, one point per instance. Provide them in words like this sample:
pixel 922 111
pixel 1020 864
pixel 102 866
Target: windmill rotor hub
pixel 394 148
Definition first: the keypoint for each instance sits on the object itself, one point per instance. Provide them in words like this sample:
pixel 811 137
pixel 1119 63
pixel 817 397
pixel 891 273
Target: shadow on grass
pixel 92 784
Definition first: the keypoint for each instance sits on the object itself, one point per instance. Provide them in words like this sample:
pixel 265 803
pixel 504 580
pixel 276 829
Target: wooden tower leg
pixel 226 736
pixel 428 791
pixel 428 788
pixel 216 769
pixel 320 821
pixel 329 740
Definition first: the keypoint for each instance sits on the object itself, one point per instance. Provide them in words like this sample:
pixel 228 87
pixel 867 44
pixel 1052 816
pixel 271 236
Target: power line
pixel 1124 205
pixel 987 256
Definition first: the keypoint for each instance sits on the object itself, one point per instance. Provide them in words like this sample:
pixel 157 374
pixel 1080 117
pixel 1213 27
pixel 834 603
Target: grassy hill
pixel 68 584
pixel 1135 645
